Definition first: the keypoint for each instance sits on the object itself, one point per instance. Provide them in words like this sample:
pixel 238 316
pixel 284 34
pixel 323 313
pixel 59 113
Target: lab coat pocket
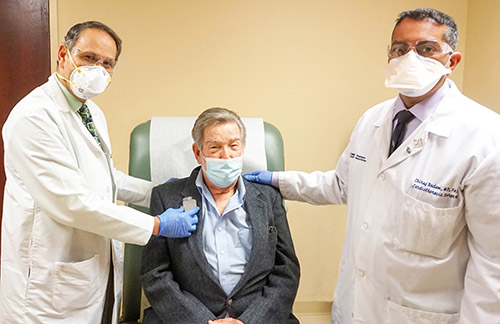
pixel 406 315
pixel 428 230
pixel 77 284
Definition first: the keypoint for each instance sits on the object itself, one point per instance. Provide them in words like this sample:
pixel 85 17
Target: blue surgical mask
pixel 223 172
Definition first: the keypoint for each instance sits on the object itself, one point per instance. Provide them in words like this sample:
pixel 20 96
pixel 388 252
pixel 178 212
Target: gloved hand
pixel 264 177
pixel 176 223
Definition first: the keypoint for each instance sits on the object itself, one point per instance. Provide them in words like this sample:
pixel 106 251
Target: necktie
pixel 84 113
pixel 398 135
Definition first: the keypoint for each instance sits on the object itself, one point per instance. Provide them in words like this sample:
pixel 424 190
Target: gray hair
pixel 212 117
pixel 451 34
pixel 74 33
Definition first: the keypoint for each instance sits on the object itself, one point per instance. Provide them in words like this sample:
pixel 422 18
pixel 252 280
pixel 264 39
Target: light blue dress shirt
pixel 422 110
pixel 227 238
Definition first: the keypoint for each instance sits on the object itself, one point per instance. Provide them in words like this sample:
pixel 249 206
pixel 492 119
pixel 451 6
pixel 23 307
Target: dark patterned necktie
pixel 84 113
pixel 398 135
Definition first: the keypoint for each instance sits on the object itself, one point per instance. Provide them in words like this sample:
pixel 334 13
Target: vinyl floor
pixel 314 319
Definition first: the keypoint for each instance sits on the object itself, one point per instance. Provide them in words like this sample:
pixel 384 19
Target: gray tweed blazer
pixel 182 289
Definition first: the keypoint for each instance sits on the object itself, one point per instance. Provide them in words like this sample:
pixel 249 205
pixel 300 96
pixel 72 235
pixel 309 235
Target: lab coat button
pixel 408 150
pixel 382 177
pixel 364 227
pixel 361 273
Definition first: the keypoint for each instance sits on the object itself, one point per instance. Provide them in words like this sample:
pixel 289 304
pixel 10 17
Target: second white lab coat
pixel 60 216
pixel 422 242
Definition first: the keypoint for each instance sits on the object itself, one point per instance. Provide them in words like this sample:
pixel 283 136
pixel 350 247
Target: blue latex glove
pixel 264 177
pixel 176 223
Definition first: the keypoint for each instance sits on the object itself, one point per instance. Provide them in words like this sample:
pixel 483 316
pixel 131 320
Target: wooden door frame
pixel 25 61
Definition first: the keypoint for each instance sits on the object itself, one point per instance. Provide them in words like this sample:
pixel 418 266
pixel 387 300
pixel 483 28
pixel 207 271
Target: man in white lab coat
pixel 60 263
pixel 423 226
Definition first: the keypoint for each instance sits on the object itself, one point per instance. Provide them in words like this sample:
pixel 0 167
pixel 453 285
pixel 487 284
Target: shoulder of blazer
pixel 172 187
pixel 178 188
pixel 262 191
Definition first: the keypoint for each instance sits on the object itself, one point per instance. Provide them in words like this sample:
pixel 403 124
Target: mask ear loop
pixel 204 158
pixel 74 85
pixel 76 68
pixel 451 53
pixel 449 59
pixel 73 62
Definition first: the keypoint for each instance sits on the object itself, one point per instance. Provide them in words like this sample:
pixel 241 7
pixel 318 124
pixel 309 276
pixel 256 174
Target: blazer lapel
pixel 256 211
pixel 195 241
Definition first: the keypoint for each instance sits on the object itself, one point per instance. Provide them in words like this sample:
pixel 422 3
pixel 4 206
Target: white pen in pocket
pixel 188 203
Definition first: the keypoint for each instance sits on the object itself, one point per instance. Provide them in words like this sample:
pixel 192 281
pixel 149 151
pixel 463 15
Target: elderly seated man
pixel 239 266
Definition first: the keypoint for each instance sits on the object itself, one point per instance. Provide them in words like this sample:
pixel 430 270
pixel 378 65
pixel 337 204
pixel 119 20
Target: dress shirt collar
pixel 425 108
pixel 74 103
pixel 236 201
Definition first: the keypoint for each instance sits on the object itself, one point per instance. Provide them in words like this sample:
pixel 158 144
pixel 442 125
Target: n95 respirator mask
pixel 413 75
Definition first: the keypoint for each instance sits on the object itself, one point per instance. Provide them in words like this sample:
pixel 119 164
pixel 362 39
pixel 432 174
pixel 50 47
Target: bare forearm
pixel 156 227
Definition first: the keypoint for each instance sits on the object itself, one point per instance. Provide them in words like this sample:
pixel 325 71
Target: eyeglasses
pixel 426 48
pixel 91 58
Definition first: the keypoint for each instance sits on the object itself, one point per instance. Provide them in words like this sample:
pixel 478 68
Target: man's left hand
pixel 226 321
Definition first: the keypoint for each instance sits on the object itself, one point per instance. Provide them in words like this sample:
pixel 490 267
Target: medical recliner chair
pixel 140 166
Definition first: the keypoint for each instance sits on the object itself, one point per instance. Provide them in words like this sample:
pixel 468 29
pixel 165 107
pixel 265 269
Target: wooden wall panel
pixel 24 56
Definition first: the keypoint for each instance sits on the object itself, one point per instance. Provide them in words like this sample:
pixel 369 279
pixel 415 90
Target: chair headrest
pixel 171 154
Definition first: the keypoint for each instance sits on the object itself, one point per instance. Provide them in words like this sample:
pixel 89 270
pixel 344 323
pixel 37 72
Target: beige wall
pixel 482 63
pixel 309 67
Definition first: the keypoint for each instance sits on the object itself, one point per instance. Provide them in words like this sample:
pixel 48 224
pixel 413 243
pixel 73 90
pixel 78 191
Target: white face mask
pixel 89 81
pixel 413 75
pixel 86 82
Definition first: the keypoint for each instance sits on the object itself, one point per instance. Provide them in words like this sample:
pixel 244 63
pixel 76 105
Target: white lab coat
pixel 422 241
pixel 59 215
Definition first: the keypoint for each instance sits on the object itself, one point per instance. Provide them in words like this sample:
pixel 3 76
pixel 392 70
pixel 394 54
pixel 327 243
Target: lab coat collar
pixel 440 123
pixel 74 103
pixel 386 112
pixel 57 95
pixel 437 123
pixel 55 92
